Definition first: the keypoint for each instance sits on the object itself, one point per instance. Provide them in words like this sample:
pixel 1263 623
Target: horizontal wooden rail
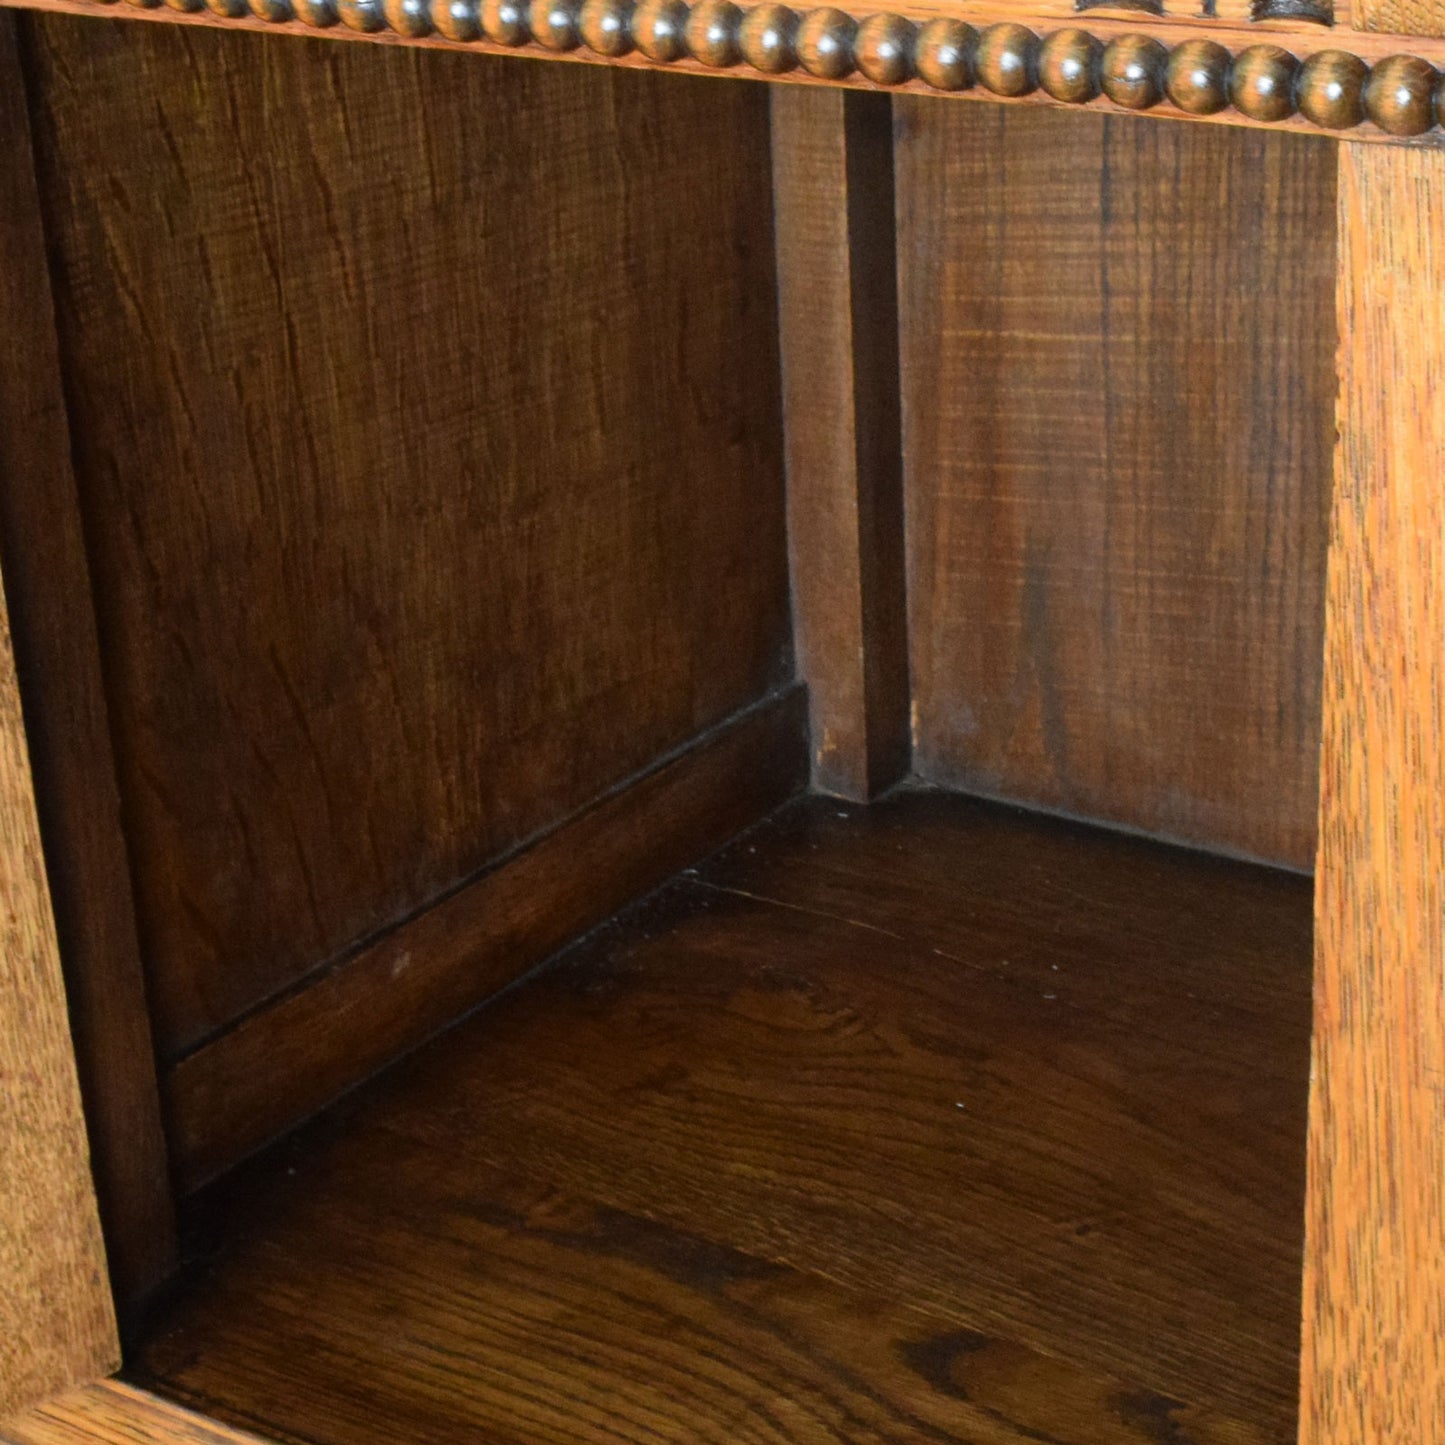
pixel 1292 73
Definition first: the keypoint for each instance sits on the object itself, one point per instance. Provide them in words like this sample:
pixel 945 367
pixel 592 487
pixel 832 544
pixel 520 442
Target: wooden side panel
pixel 57 1325
pixel 430 453
pixel 57 658
pixel 1117 351
pixel 1374 1308
pixel 838 324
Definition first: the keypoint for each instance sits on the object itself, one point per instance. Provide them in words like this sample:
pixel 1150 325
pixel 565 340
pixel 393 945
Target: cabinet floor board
pixel 926 1120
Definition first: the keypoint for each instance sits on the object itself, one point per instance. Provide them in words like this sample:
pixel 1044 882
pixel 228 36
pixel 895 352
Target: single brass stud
pixel 944 55
pixel 504 22
pixel 1261 85
pixel 553 24
pixel 1399 95
pixel 1007 59
pixel 884 48
pixel 457 19
pixel 657 27
pixel 712 33
pixel 1332 89
pixel 1197 77
pixel 1069 64
pixel 1133 71
pixel 606 26
pixel 769 38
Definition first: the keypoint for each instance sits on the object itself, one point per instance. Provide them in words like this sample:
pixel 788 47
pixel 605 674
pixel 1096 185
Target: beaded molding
pixel 1403 95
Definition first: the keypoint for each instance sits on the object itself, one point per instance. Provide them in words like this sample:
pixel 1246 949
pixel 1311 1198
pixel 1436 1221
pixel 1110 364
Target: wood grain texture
pixel 58 662
pixel 57 1323
pixel 838 328
pixel 426 496
pixel 931 62
pixel 1406 17
pixel 1117 422
pixel 287 1061
pixel 113 1413
pixel 1374 1316
pixel 928 1121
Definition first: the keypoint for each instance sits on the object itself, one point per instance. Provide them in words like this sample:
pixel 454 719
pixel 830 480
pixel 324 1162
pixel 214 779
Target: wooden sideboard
pixel 444 501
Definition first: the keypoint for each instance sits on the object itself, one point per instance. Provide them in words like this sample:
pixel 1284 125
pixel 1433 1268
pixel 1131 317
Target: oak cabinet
pixel 700 761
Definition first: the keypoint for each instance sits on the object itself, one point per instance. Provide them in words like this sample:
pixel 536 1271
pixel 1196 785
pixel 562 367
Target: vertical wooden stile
pixel 838 321
pixel 42 551
pixel 1373 1370
pixel 57 1326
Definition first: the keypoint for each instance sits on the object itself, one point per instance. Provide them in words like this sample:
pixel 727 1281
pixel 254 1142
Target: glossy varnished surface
pixel 426 494
pixel 923 1122
pixel 1117 351
pixel 285 1062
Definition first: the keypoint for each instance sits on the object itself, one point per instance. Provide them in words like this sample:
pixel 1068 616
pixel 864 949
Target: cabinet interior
pixel 542 1052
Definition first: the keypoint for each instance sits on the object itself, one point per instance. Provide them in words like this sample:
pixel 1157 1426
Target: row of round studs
pixel 1402 94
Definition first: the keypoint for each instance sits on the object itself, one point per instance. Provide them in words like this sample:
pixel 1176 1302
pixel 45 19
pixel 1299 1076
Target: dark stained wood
pixel 287 1061
pixel 838 326
pixel 426 495
pixel 926 1121
pixel 1287 10
pixel 47 584
pixel 1117 345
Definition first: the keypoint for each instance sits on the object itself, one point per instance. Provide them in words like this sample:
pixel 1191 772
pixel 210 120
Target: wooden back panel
pixel 1118 379
pixel 428 446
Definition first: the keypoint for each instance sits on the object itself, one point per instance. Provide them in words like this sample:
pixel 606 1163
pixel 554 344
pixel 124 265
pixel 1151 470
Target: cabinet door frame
pixel 1373 1365
pixel 57 1320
